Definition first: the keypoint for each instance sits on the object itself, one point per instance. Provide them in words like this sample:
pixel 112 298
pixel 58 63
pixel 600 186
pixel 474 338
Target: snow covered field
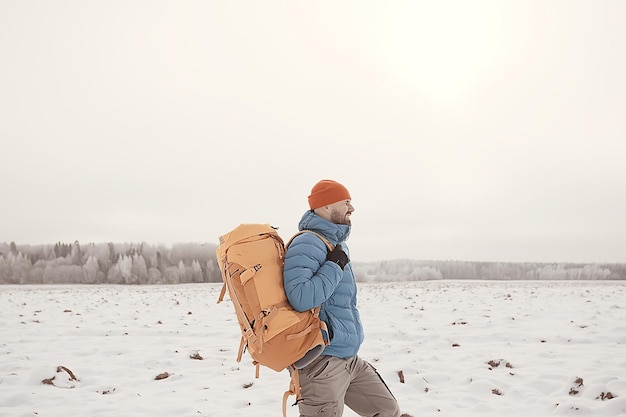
pixel 445 348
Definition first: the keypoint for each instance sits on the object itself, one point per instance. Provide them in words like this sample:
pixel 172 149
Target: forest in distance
pixel 147 264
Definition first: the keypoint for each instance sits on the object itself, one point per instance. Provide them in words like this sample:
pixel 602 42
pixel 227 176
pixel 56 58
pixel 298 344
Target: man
pixel 315 276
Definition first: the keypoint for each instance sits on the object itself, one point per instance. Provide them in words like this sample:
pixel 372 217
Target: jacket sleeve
pixel 309 278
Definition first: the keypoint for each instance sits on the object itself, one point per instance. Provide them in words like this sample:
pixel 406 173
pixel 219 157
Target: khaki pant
pixel 329 382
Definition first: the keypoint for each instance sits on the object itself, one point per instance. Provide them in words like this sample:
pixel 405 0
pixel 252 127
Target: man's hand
pixel 338 256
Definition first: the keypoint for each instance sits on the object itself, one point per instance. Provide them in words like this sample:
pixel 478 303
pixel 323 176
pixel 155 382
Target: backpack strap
pixel 294 389
pixel 329 245
pixel 222 294
pixel 294 384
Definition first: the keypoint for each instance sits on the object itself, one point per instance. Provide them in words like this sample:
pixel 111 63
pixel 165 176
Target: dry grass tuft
pixel 401 376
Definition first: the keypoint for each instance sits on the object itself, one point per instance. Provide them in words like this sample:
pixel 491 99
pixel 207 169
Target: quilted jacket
pixel 311 281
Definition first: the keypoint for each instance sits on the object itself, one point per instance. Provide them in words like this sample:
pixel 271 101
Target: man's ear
pixel 323 211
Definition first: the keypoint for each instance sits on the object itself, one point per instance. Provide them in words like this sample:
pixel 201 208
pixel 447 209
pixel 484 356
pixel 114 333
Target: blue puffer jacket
pixel 311 281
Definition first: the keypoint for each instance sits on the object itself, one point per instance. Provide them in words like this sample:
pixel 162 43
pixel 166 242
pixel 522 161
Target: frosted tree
pixel 212 271
pixel 121 271
pixel 6 275
pixel 184 273
pixel 76 254
pixel 20 265
pixel 171 275
pixel 126 268
pixel 90 271
pixel 551 272
pixel 425 273
pixel 139 269
pixel 154 276
pixel 13 248
pixel 101 253
pixel 59 271
pixel 35 275
pixel 196 272
pixel 71 274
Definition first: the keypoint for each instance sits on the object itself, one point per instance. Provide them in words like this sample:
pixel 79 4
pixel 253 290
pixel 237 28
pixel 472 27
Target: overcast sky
pixel 470 130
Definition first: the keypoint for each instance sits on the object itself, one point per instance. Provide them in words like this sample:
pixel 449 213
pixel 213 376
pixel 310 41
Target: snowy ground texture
pixel 445 348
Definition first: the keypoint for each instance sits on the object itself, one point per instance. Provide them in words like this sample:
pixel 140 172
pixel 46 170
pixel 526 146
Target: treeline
pixel 412 270
pixel 129 263
pixel 111 263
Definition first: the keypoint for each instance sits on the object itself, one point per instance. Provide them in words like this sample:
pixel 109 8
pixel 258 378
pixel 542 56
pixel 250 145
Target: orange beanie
pixel 327 192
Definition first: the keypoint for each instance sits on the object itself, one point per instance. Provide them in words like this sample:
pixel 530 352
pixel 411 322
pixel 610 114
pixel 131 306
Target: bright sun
pixel 441 47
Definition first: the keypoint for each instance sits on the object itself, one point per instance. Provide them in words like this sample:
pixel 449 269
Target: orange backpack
pixel 251 259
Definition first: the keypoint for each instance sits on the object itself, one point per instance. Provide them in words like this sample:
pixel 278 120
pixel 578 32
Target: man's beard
pixel 339 218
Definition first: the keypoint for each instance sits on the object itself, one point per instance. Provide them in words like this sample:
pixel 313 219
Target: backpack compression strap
pixel 248 335
pixel 294 389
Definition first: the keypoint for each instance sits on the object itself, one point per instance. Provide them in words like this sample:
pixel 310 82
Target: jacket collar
pixel 336 233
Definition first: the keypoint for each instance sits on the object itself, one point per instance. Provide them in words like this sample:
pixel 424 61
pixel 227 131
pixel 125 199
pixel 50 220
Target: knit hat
pixel 327 192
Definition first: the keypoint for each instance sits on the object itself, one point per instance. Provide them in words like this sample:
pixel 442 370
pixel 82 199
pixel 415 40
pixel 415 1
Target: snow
pixel 445 348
